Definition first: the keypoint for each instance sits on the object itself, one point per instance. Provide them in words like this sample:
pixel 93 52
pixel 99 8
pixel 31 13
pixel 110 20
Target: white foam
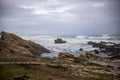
pixel 81 37
pixel 73 44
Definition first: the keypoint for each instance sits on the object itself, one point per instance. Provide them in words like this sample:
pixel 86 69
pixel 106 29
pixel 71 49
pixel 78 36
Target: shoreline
pixel 20 58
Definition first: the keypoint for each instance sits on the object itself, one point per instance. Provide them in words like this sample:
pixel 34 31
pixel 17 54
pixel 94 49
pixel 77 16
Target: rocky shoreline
pixel 20 60
pixel 109 48
pixel 11 44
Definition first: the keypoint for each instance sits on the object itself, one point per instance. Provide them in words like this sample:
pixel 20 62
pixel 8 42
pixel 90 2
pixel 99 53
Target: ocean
pixel 72 45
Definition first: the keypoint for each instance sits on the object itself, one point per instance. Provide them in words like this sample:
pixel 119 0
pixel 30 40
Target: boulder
pixel 96 52
pixel 65 55
pixel 59 41
pixel 14 44
pixel 81 49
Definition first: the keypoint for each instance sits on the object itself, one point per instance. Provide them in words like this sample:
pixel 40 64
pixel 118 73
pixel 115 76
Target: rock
pixel 80 58
pixel 92 56
pixel 115 57
pixel 95 44
pixel 24 77
pixel 59 67
pixel 65 55
pixel 59 41
pixel 96 52
pixel 108 47
pixel 80 49
pixel 13 49
pixel 90 43
pixel 103 51
pixel 11 43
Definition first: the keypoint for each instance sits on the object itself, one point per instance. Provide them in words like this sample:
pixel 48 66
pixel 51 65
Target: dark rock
pixel 80 49
pixel 65 55
pixel 108 47
pixel 59 67
pixel 24 77
pixel 90 43
pixel 118 68
pixel 59 41
pixel 115 57
pixel 96 52
pixel 95 44
pixel 11 43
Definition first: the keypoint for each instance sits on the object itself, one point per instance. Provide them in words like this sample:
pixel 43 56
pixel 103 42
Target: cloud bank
pixel 60 17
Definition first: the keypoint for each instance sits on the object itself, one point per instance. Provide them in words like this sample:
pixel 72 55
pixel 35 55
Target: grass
pixel 36 72
pixel 40 72
pixel 44 72
pixel 94 64
pixel 15 59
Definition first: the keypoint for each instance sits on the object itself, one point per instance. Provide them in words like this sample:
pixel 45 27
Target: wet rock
pixel 13 44
pixel 90 43
pixel 59 41
pixel 96 52
pixel 80 49
pixel 95 44
pixel 108 47
pixel 65 55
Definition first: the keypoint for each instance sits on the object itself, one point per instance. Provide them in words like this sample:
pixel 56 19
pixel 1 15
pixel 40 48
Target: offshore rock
pixel 59 41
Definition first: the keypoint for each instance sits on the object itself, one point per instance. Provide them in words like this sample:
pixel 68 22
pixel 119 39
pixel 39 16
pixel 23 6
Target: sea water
pixel 72 45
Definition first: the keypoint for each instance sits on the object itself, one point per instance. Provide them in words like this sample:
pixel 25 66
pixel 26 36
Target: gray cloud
pixel 60 17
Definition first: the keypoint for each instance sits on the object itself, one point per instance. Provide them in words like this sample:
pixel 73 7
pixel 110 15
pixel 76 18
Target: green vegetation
pixel 19 60
pixel 55 72
pixel 15 59
pixel 94 64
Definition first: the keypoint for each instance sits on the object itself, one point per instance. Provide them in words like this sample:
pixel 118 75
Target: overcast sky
pixel 60 17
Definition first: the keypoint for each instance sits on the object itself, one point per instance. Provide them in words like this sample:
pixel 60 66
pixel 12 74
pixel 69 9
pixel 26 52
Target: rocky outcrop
pixel 59 41
pixel 11 43
pixel 82 57
pixel 92 56
pixel 65 55
pixel 110 48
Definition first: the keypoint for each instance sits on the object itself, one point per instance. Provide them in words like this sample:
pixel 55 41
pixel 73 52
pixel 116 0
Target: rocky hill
pixel 11 44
